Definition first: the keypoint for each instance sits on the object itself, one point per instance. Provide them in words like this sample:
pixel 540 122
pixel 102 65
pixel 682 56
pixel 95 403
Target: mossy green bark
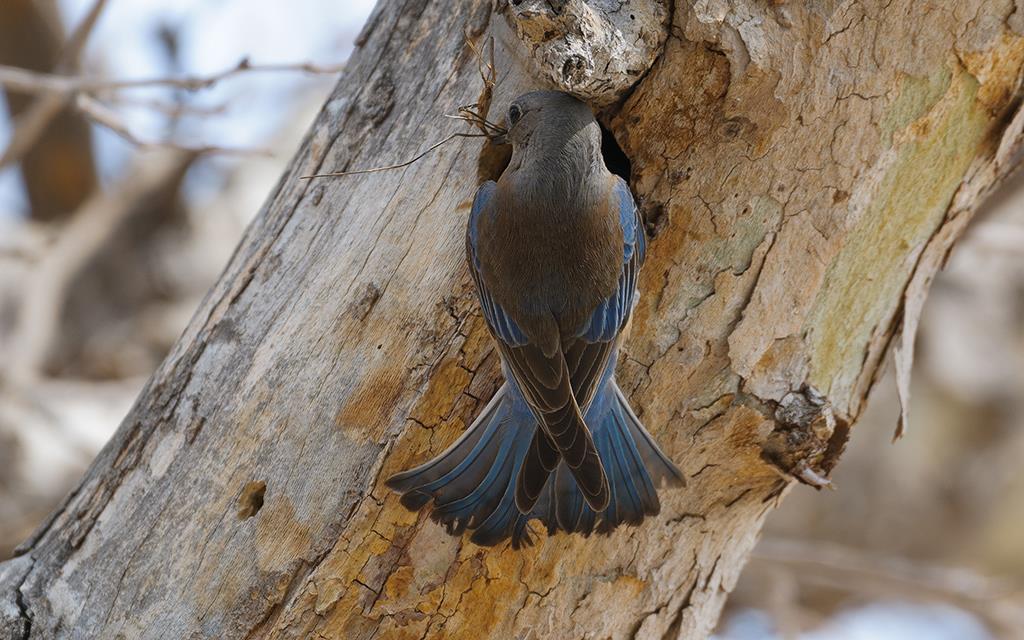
pixel 933 152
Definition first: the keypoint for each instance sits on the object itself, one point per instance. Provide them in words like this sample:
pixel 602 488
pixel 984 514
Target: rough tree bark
pixel 803 167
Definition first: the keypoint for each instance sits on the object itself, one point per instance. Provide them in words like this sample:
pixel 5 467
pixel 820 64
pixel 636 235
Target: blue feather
pixel 611 314
pixel 504 328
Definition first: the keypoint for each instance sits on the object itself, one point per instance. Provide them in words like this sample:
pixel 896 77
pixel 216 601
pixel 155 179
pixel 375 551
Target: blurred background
pixel 118 212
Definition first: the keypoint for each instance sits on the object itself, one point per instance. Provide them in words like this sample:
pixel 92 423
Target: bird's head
pixel 551 118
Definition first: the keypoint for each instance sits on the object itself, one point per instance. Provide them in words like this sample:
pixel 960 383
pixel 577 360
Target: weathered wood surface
pixel 799 164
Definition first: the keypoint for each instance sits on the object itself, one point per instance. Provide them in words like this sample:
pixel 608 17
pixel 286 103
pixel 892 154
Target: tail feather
pixel 468 510
pixel 573 514
pixel 500 521
pixel 468 481
pixel 549 389
pixel 541 459
pixel 634 464
pixel 473 484
pixel 642 496
pixel 418 484
pixel 575 450
pixel 662 470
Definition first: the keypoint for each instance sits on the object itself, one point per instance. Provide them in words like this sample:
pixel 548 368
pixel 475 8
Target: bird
pixel 554 247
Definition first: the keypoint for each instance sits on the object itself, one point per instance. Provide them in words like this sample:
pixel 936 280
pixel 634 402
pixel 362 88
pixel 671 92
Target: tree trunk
pixel 802 168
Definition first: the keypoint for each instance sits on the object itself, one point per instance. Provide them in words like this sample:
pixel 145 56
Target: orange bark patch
pixel 370 408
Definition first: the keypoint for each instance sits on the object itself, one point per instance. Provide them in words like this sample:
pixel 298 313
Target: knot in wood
pixel 597 49
pixel 808 438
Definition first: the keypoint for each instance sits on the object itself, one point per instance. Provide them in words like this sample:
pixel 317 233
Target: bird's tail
pixel 635 466
pixel 472 484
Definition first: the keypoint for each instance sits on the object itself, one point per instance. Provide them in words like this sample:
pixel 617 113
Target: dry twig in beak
pixel 475 114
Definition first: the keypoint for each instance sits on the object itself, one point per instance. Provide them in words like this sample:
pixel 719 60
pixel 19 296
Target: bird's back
pixel 551 255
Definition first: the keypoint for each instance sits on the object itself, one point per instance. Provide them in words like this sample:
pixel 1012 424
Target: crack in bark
pixel 16 620
pixel 19 599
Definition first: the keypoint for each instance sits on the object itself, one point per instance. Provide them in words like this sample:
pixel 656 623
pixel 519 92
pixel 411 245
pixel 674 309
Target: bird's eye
pixel 514 114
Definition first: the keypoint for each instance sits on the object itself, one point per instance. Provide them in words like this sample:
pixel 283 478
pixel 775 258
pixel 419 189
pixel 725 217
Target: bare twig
pixel 57 90
pixel 104 116
pixel 30 125
pixel 488 73
pixel 469 114
pixel 857 571
pixel 24 81
pixel 172 110
pixel 76 41
pixel 336 174
pixel 78 241
pixel 475 114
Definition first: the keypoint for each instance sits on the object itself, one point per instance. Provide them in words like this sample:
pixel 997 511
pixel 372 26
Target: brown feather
pixel 561 421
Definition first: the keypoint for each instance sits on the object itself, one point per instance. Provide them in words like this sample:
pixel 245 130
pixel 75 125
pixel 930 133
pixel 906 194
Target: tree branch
pixel 104 116
pixel 24 81
pixel 28 126
pixel 856 571
pixel 78 241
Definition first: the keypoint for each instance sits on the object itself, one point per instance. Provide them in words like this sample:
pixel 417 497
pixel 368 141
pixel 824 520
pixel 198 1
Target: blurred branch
pixel 28 126
pixel 783 601
pixel 23 241
pixel 104 116
pixel 67 420
pixel 999 236
pixel 1000 603
pixel 57 90
pixel 32 82
pixel 172 110
pixel 79 240
pixel 76 41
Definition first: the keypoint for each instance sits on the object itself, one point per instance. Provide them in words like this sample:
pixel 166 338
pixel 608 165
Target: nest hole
pixel 493 161
pixel 494 158
pixel 614 157
pixel 251 499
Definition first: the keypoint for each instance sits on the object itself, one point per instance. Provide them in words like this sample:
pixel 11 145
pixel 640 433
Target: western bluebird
pixel 554 247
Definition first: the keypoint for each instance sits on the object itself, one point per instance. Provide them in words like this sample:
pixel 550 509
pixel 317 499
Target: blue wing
pixel 612 314
pixel 503 327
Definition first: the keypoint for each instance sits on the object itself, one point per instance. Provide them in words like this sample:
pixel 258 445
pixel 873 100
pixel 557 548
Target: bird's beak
pixel 501 138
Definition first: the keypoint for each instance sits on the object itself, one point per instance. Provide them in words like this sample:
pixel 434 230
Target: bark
pixel 802 167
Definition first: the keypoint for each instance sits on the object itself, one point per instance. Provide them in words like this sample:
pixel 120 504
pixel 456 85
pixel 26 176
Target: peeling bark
pixel 804 167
